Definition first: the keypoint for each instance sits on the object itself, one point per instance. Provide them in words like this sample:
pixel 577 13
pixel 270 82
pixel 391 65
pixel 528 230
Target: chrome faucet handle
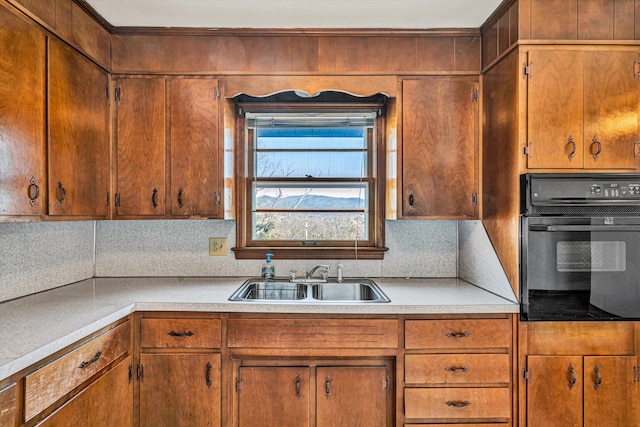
pixel 325 267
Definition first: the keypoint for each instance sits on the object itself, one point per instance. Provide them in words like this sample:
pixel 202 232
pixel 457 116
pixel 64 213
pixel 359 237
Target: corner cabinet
pixel 78 134
pixel 440 147
pixel 582 109
pixel 179 371
pixel 23 180
pixel 580 374
pixel 168 156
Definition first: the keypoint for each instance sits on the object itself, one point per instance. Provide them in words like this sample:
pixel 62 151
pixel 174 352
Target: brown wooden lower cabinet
pixel 314 395
pixel 8 405
pixel 106 402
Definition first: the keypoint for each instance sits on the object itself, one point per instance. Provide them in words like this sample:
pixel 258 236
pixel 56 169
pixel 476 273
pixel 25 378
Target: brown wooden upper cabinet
pixel 23 183
pixel 78 134
pixel 440 146
pixel 582 109
pixel 167 138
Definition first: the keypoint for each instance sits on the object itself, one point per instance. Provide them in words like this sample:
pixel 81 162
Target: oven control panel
pixel 614 190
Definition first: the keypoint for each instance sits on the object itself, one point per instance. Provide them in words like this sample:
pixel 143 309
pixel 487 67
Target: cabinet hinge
pixel 636 374
pixel 387 379
pixel 140 372
pixel 527 70
pixel 526 149
pixel 116 200
pixel 117 93
pixel 636 69
pixel 217 94
pixel 474 94
pixel 238 385
pixel 474 198
pixel 526 374
pixel 218 197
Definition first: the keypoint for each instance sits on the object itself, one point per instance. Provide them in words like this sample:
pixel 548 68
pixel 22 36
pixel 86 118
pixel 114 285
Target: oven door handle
pixel 552 228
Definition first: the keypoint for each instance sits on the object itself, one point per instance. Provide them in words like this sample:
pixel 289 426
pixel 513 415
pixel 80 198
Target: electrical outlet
pixel 217 246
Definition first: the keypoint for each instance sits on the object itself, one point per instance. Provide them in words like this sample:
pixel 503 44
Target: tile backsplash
pixel 41 256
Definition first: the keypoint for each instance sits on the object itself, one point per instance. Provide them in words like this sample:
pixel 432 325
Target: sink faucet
pixel 324 273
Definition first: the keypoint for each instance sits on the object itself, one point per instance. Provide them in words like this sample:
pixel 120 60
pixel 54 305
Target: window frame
pixel 372 248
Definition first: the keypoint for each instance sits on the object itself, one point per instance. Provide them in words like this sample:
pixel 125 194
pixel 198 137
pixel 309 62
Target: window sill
pixel 310 253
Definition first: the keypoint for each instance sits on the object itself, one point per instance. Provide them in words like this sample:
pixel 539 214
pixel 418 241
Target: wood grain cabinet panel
pixel 180 389
pixel 583 110
pixel 8 406
pixel 78 134
pixel 439 147
pixel 49 383
pixel 180 333
pixel 106 402
pixel 196 158
pixel 23 186
pixel 140 147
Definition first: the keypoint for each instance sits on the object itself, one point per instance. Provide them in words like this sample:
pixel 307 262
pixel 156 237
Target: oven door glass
pixel 581 268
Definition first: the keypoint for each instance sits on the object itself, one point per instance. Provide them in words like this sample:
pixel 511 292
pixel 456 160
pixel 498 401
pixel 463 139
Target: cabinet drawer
pixel 457 369
pixel 312 333
pixel 49 383
pixel 8 406
pixel 457 334
pixel 458 403
pixel 180 333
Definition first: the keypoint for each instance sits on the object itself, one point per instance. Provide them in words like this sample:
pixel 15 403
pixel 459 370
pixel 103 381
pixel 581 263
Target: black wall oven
pixel 580 246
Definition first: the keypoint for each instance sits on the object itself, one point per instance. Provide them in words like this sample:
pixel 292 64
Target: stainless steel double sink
pixel 349 290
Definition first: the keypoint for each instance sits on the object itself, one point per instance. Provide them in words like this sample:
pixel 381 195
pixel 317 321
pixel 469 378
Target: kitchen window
pixel 313 182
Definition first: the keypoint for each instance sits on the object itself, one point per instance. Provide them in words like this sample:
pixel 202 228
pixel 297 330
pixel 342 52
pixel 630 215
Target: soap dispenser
pixel 268 270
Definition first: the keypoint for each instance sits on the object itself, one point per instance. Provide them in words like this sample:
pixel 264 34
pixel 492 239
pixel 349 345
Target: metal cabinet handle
pixel 457 334
pixel 327 386
pixel 573 145
pixel 411 200
pixel 180 202
pixel 181 334
pixel 86 363
pixel 62 194
pixel 298 386
pixel 457 403
pixel 459 370
pixel 636 150
pixel 599 149
pixel 572 377
pixel 154 198
pixel 33 192
pixel 207 375
pixel 598 381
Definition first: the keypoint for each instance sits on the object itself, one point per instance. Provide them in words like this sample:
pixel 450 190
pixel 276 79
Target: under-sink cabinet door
pixel 273 396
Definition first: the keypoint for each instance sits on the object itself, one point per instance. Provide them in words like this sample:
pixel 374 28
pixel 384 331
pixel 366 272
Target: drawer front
pixel 8 406
pixel 312 333
pixel 458 403
pixel 457 334
pixel 49 383
pixel 459 425
pixel 180 333
pixel 457 369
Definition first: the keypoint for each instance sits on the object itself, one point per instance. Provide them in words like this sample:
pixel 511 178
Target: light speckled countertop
pixel 37 326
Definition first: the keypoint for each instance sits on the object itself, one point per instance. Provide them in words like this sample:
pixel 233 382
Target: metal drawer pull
pixel 34 191
pixel 154 198
pixel 456 370
pixel 457 403
pixel 598 381
pixel 180 202
pixel 62 194
pixel 327 386
pixel 574 378
pixel 181 334
pixel 207 375
pixel 86 363
pixel 573 145
pixel 457 334
pixel 598 145
pixel 298 386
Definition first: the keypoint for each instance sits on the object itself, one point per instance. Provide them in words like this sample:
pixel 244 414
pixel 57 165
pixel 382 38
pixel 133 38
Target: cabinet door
pixel 22 117
pixel 78 134
pixel 8 406
pixel 106 402
pixel 180 390
pixel 439 146
pixel 554 391
pixel 610 110
pixel 554 109
pixel 273 396
pixel 352 396
pixel 195 155
pixel 140 153
pixel 610 393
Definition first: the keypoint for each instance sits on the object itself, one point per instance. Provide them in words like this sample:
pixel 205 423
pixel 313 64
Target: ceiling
pixel 317 14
